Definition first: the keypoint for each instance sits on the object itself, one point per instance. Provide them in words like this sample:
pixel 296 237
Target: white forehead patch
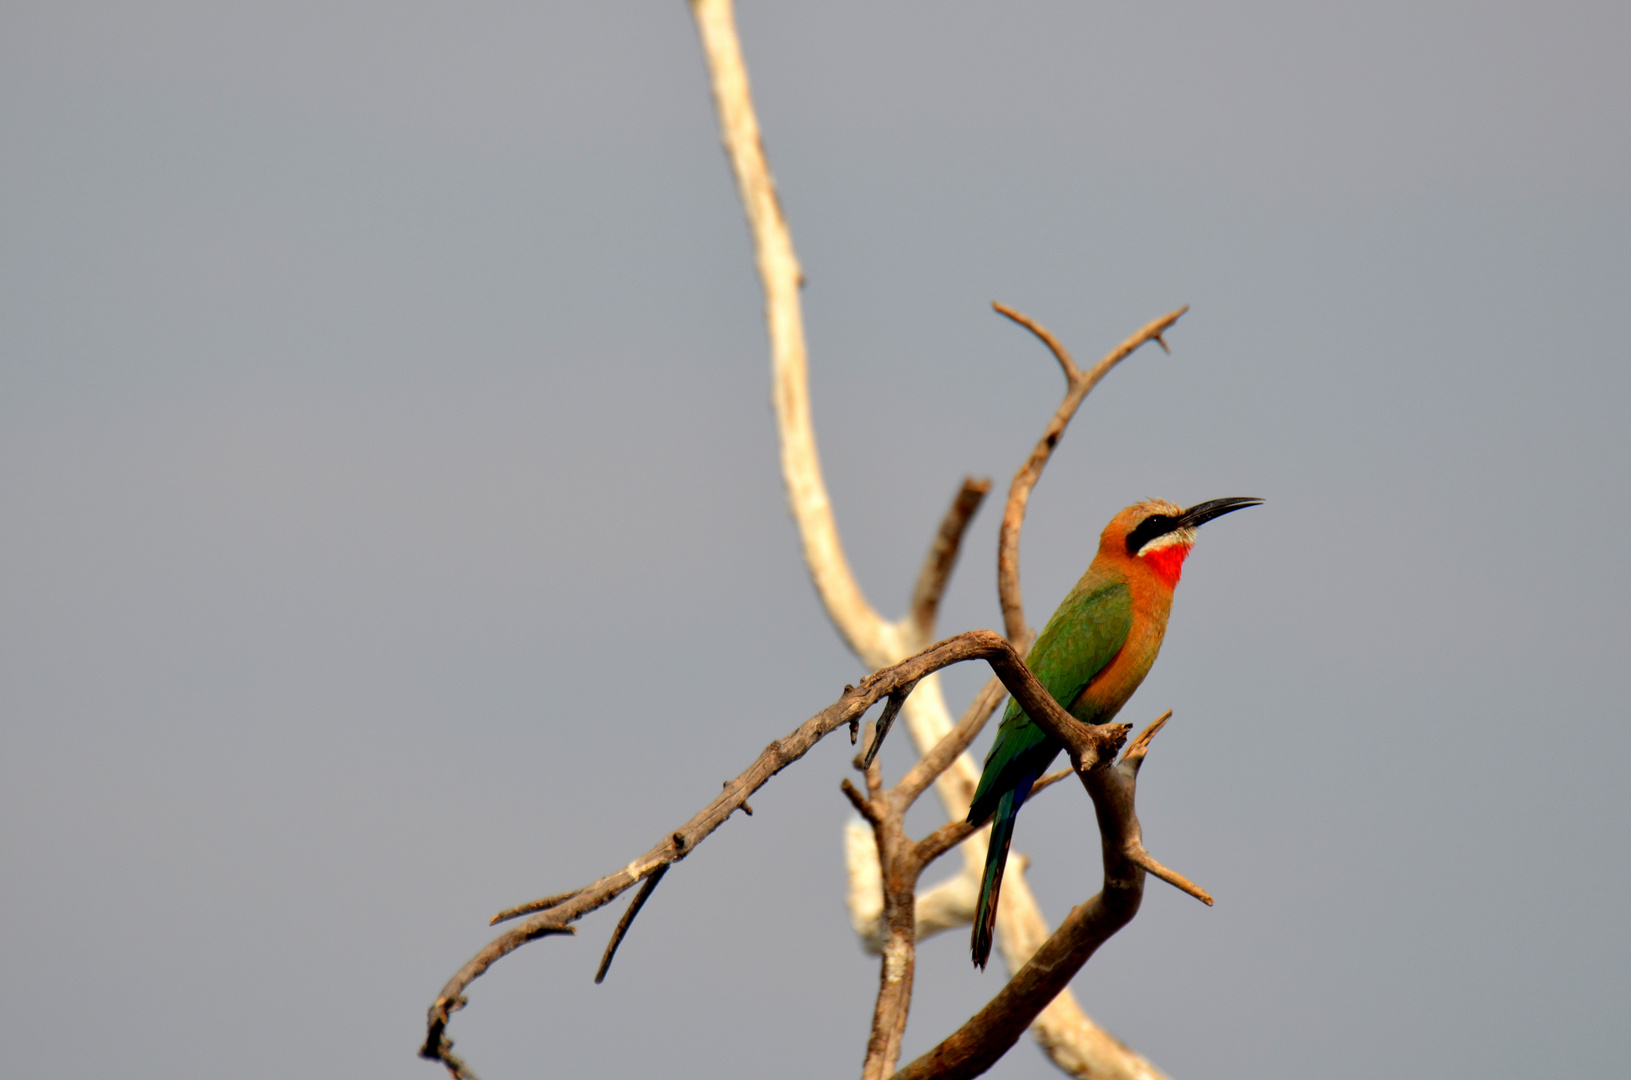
pixel 1175 538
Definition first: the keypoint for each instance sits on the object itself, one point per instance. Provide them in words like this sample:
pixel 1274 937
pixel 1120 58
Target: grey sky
pixel 391 507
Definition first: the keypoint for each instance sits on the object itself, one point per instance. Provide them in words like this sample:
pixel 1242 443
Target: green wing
pixel 1083 636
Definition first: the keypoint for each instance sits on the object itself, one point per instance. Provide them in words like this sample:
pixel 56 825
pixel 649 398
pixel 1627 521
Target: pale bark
pixel 1075 1043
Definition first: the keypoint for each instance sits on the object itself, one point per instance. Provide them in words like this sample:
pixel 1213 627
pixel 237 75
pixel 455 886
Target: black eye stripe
pixel 1151 527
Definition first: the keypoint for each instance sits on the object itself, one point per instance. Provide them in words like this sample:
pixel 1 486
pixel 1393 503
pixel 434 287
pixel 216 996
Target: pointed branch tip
pixel 1060 353
pixel 1141 745
pixel 623 924
pixel 891 710
pixel 528 908
pixel 1142 858
pixel 862 804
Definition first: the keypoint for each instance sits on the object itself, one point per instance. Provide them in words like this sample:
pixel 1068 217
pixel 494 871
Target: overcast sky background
pixel 392 529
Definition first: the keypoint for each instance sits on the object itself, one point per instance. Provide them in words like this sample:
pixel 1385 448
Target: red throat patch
pixel 1167 562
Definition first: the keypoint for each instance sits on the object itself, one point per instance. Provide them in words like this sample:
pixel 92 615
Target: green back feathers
pixel 1084 635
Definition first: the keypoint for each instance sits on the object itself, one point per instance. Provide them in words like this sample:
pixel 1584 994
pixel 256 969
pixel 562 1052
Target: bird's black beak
pixel 1201 513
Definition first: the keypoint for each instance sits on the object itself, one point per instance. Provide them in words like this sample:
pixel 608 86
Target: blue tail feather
pixel 996 860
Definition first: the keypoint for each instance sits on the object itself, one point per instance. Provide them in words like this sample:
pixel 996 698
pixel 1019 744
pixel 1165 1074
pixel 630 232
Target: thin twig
pixel 531 906
pixel 1141 745
pixel 937 567
pixel 943 839
pixel 891 709
pixel 1019 492
pixel 623 924
pixel 872 773
pixel 1139 856
pixel 456 1068
pixel 952 833
pixel 862 804
pixel 1060 353
pixel 932 764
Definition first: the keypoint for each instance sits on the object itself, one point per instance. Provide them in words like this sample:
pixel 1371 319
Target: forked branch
pixel 1078 384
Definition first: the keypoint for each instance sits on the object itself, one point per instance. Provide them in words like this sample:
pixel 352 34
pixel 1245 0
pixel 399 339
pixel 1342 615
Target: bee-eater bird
pixel 1095 650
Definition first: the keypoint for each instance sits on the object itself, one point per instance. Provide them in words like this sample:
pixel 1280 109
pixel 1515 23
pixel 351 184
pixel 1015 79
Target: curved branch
pixel 867 632
pixel 876 641
pixel 1066 362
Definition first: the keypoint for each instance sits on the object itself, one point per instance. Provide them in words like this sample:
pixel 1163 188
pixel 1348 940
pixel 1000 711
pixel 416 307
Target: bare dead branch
pixel 1141 745
pixel 777 756
pixel 1060 353
pixel 901 862
pixel 891 709
pixel 438 1047
pixel 867 632
pixel 897 881
pixel 952 833
pixel 535 905
pixel 1080 384
pixel 623 924
pixel 942 840
pixel 939 758
pixel 942 557
pixel 862 804
pixel 456 1068
pixel 1088 746
pixel 1139 856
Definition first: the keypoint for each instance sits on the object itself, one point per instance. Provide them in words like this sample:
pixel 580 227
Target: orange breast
pixel 1109 690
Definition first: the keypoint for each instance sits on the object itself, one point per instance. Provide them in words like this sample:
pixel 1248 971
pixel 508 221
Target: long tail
pixel 996 860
